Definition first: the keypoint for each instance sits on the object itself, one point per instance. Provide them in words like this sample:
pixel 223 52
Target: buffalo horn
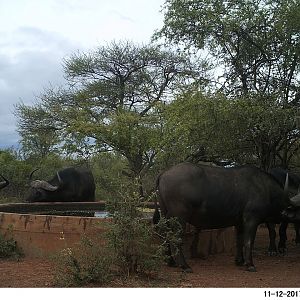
pixel 41 184
pixel 30 176
pixel 286 184
pixel 59 179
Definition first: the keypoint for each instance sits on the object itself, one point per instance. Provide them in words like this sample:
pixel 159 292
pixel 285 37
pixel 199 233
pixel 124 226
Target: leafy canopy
pixel 256 43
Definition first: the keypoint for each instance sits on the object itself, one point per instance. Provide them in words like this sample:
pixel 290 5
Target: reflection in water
pixel 76 213
pixel 101 214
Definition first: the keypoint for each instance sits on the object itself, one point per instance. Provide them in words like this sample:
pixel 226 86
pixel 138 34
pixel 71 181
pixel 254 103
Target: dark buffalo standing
pixel 4 183
pixel 68 185
pixel 209 198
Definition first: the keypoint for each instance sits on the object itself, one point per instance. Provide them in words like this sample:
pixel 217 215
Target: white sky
pixel 35 35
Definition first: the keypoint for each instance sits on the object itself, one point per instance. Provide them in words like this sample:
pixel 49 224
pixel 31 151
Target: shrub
pixel 169 231
pixel 85 263
pixel 128 246
pixel 130 236
pixel 9 247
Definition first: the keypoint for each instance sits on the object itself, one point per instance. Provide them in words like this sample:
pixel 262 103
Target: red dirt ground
pixel 215 271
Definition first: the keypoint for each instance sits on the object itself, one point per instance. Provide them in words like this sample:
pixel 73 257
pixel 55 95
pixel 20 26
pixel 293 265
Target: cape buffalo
pixel 4 183
pixel 68 185
pixel 209 198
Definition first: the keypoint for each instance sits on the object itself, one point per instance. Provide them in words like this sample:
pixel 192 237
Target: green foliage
pixel 9 247
pixel 86 263
pixel 130 236
pixel 127 247
pixel 39 139
pixel 17 172
pixel 108 170
pixel 169 233
pixel 254 130
pixel 256 43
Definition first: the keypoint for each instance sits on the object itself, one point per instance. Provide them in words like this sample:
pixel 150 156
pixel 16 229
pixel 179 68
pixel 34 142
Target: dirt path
pixel 216 271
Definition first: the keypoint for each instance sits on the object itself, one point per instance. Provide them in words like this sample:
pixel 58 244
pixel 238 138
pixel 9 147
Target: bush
pixel 85 263
pixel 9 247
pixel 169 231
pixel 130 236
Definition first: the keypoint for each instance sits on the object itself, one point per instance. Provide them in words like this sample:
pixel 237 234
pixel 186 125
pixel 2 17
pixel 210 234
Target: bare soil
pixel 216 271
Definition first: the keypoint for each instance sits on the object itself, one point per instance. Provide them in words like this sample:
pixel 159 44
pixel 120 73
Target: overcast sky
pixel 35 35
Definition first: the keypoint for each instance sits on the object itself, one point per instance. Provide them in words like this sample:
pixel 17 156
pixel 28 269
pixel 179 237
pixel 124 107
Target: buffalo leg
pixel 168 252
pixel 282 238
pixel 170 260
pixel 297 238
pixel 249 237
pixel 181 259
pixel 272 250
pixel 239 257
pixel 194 246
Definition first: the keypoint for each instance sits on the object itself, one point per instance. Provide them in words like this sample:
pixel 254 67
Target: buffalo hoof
pixel 187 270
pixel 171 263
pixel 282 251
pixel 239 262
pixel 251 269
pixel 195 255
pixel 272 253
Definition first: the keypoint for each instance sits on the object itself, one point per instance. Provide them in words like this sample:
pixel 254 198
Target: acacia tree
pixel 37 141
pixel 110 101
pixel 254 44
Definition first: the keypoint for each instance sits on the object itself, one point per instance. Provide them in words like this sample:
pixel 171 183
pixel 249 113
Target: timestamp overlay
pixel 254 293
pixel 282 293
pixel 231 293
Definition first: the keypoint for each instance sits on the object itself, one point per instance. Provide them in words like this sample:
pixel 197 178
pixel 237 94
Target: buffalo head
pixel 41 190
pixel 292 212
